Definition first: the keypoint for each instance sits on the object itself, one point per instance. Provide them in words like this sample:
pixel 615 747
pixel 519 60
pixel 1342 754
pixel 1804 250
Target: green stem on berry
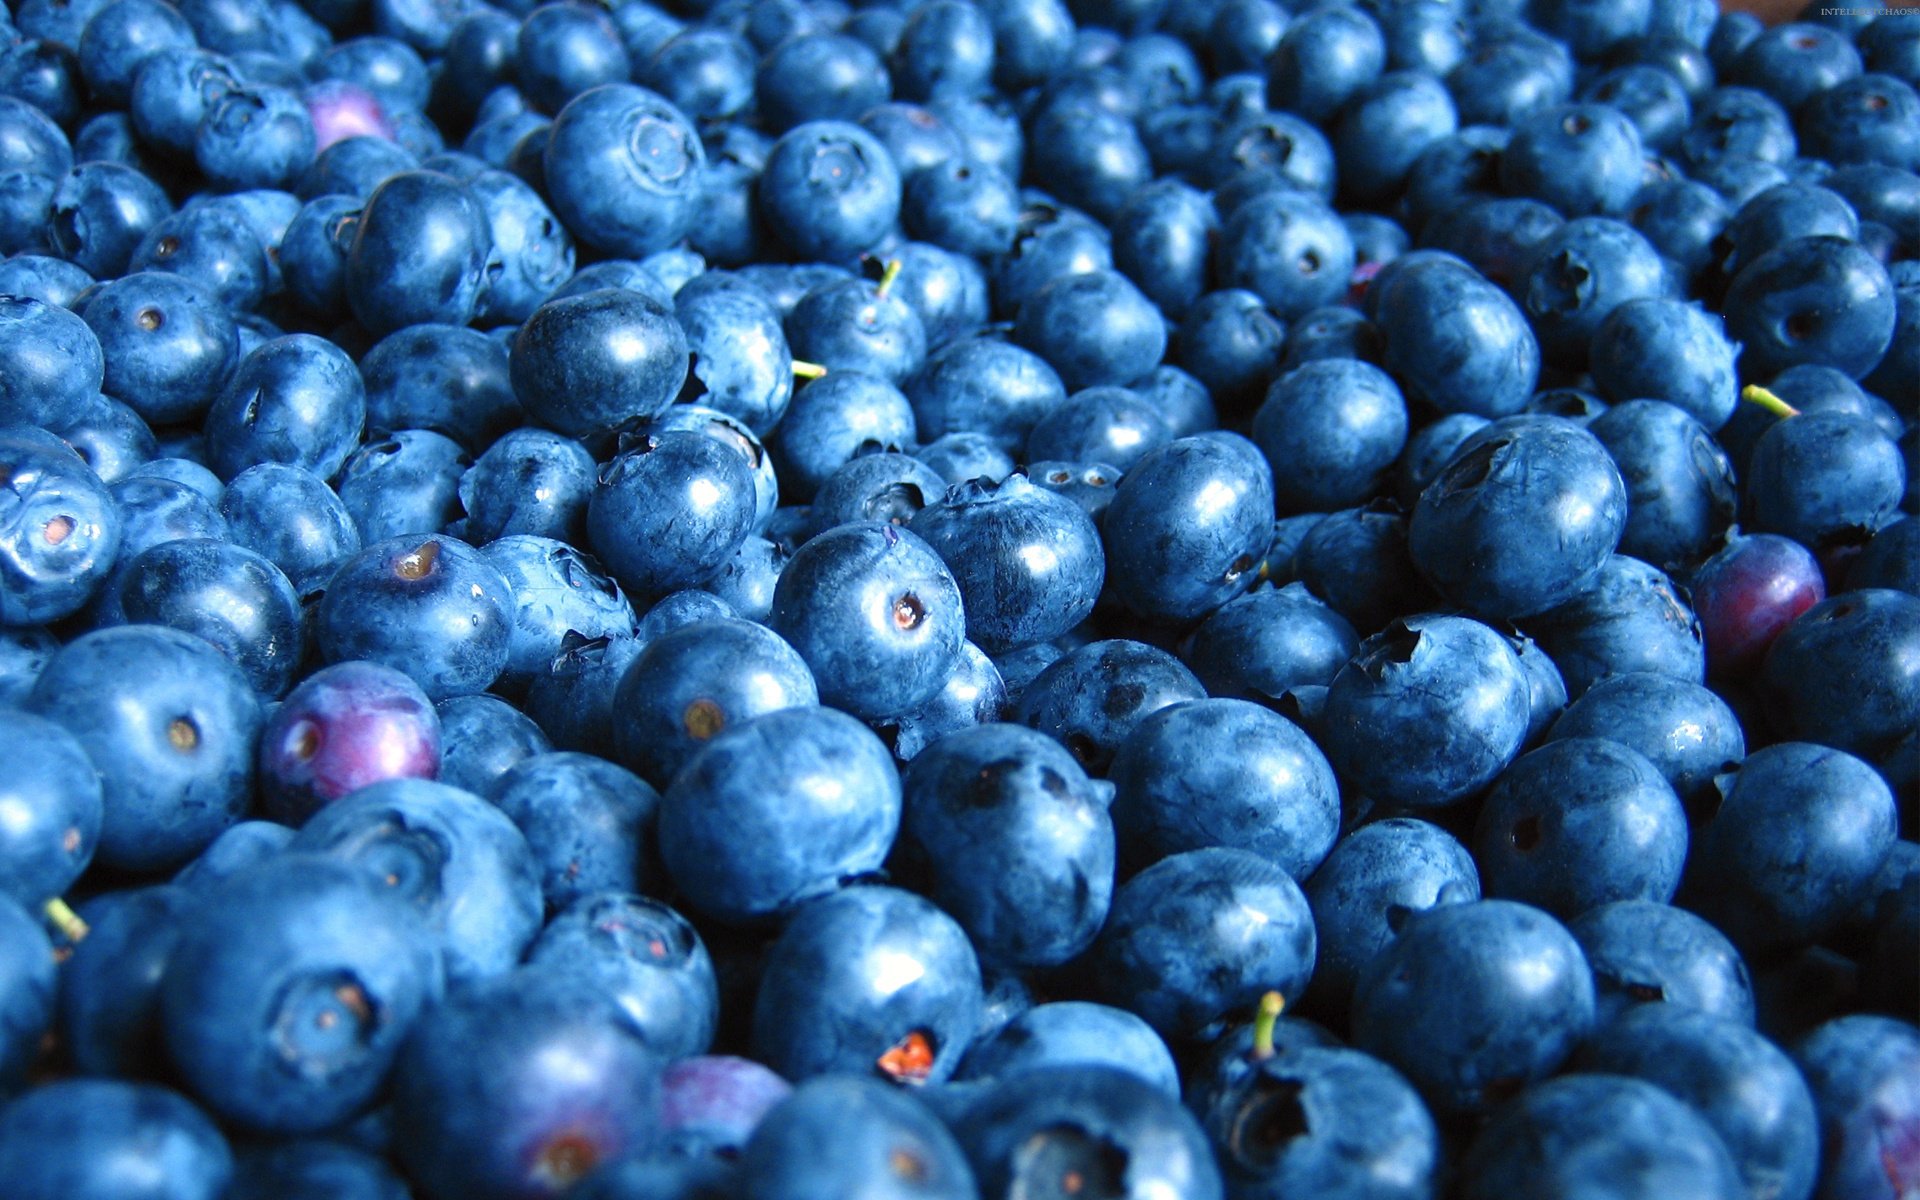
pixel 808 370
pixel 1760 397
pixel 887 277
pixel 62 917
pixel 1263 1021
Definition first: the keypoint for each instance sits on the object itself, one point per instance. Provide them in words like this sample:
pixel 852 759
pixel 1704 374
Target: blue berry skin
pixel 1222 772
pixel 313 1169
pixel 518 1086
pixel 852 325
pixel 1376 879
pixel 1682 218
pixel 60 530
pixel 482 737
pixel 1029 1131
pixel 1781 214
pixel 1652 97
pixel 962 457
pixel 692 682
pixel 1820 300
pixel 847 1136
pixel 52 281
pixel 1264 644
pixel 291 517
pixel 1842 674
pixel 670 510
pixel 443 378
pixel 1823 478
pixel 556 590
pixel 1659 349
pixel 297 400
pixel 532 482
pixel 1564 1135
pixel 1093 328
pixel 1584 159
pixel 1014 840
pixel 419 254
pixel 112 48
pixel 589 823
pixel 985 385
pixel 1578 823
pixel 1331 429
pixel 1522 519
pixel 818 75
pixel 456 860
pixel 572 701
pixel 1028 563
pixel 291 990
pixel 1051 243
pixel 858 974
pixel 111 1139
pixel 741 355
pixel 1087 154
pixel 973 695
pixel 169 724
pixel 109 1000
pixel 622 169
pixel 1073 1032
pixel 1680 485
pixel 1745 1087
pixel 1162 241
pixel 1107 424
pixel 239 847
pixel 876 615
pixel 1365 1130
pixel 52 799
pixel 431 607
pixel 1323 59
pixel 255 136
pixel 167 344
pixel 1455 341
pixel 1632 618
pixel 1861 1069
pixel 27 996
pixel 23 655
pixel 829 191
pixel 1793 847
pixel 231 597
pixel 1428 711
pixel 584 364
pixel 772 813
pixel 1685 730
pixel 727 430
pixel 962 206
pixel 1890 560
pixel 1187 525
pixel 1091 699
pixel 1288 248
pixel 1645 953
pixel 1473 1000
pixel 1199 936
pixel 1579 273
pixel 100 213
pixel 405 483
pixel 1357 561
pixel 643 956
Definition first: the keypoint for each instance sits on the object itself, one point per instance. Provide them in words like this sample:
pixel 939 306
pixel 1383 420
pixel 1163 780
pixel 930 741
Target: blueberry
pixel 1747 593
pixel 869 980
pixel 912 617
pixel 1074 1032
pixel 85 1139
pixel 1454 340
pixel 520 1086
pixel 454 859
pixel 1766 893
pixel 643 956
pixel 1640 1139
pixel 778 810
pixel 169 723
pixel 482 737
pixel 855 325
pixel 1033 883
pixel 1187 526
pixel 1092 698
pixel 285 1024
pixel 693 682
pixel 1062 1130
pixel 1823 479
pixel 530 481
pixel 289 516
pixel 312 1168
pixel 1517 997
pixel 27 993
pixel 986 385
pixel 1747 1089
pixel 1819 300
pixel 849 1136
pixel 590 823
pixel 1644 952
pixel 60 529
pixel 297 400
pixel 713 1103
pixel 830 190
pixel 740 356
pixel 1201 935
pixel 432 607
pixel 623 169
pixel 1861 1071
pixel 1842 673
pixel 232 597
pixel 586 363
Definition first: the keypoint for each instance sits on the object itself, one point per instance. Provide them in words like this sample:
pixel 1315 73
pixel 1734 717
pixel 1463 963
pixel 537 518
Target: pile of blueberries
pixel 806 600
